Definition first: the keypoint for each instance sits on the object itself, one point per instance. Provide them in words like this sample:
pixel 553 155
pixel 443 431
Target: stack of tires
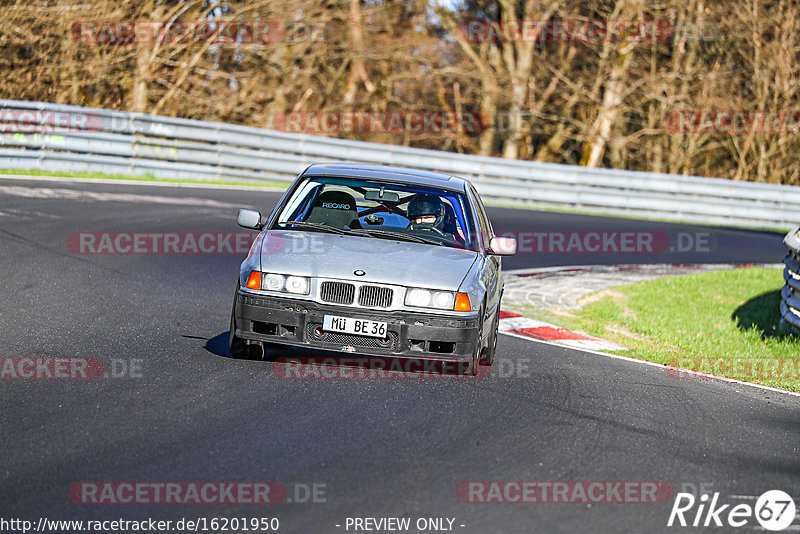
pixel 790 294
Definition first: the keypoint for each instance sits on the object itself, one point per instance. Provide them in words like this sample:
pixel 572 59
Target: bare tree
pixel 597 103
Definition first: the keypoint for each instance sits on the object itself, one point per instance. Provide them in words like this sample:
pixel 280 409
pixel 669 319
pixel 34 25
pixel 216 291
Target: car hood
pixel 385 261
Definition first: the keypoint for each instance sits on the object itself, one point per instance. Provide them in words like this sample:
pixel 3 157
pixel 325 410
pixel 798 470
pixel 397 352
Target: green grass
pixel 141 178
pixel 720 322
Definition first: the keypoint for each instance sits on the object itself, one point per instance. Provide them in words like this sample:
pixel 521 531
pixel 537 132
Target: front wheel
pixel 477 356
pixel 491 346
pixel 240 348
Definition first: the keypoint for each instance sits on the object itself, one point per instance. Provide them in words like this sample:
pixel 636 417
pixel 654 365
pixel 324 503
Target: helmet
pixel 423 206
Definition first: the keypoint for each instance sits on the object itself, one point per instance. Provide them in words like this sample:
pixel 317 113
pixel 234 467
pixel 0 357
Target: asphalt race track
pixel 183 410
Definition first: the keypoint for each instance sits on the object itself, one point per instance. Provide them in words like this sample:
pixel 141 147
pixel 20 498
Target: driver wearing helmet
pixel 426 212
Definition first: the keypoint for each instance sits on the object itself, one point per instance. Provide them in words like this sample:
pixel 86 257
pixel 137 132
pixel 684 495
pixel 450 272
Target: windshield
pixel 373 209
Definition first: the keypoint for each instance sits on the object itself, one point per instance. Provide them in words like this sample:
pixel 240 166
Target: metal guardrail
pixel 117 142
pixel 790 294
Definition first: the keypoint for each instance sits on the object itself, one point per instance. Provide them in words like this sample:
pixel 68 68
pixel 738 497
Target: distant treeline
pixel 681 86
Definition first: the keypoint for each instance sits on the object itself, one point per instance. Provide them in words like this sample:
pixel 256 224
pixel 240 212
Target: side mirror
pixel 249 219
pixel 503 246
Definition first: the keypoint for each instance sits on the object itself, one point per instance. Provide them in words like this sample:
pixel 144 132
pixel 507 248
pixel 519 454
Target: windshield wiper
pixel 317 226
pixel 399 236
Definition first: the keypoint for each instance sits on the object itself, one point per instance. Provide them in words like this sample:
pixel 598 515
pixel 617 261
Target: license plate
pixel 359 327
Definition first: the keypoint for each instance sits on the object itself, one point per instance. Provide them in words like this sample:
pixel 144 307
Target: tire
pixel 476 361
pixel 240 348
pixel 477 358
pixel 491 347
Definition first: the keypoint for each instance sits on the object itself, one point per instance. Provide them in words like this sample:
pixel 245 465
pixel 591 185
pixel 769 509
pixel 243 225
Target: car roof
pixel 388 174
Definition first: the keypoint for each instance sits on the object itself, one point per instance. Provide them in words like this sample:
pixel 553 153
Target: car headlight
pixel 426 298
pixel 420 298
pixel 273 282
pixel 442 300
pixel 299 285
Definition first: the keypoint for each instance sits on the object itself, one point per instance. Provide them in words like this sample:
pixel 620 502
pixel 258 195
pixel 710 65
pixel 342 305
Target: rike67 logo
pixel 774 510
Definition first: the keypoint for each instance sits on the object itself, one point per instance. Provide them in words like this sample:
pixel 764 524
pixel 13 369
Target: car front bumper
pixel 298 323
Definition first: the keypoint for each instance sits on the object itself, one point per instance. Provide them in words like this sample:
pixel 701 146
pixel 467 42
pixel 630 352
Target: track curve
pixel 379 447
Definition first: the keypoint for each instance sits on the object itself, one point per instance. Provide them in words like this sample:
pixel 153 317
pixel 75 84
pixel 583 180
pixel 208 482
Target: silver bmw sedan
pixel 373 260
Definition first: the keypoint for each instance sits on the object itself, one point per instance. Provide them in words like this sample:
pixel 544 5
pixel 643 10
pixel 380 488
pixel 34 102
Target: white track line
pixel 658 365
pixel 156 183
pixel 644 267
